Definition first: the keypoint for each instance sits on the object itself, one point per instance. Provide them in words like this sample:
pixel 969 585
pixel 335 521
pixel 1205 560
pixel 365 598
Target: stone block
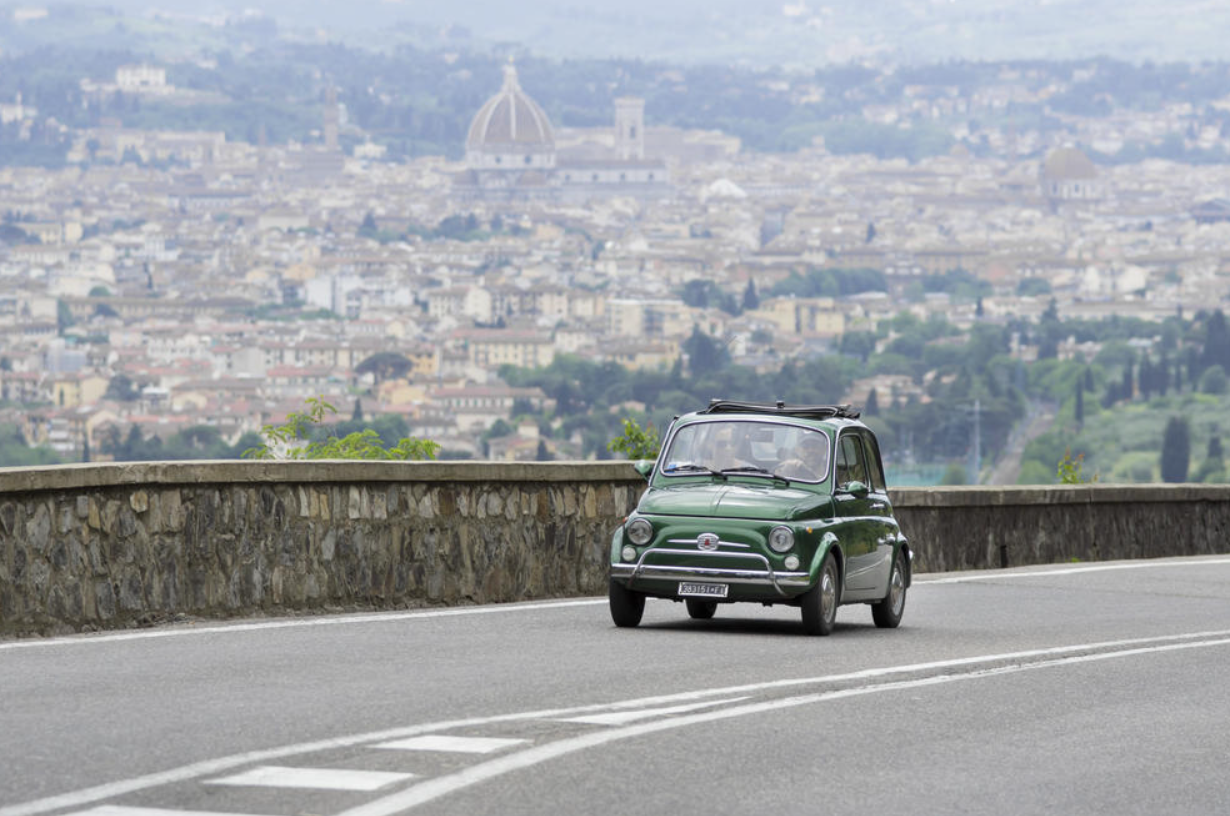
pixel 38 529
pixel 139 501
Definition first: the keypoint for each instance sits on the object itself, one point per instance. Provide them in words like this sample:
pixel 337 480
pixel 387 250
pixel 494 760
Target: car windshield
pixel 791 451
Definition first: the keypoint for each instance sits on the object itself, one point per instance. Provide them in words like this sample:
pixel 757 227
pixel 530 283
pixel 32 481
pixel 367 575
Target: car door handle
pixel 877 505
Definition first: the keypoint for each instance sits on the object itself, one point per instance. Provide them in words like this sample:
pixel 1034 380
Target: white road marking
pixel 295 623
pixel 991 575
pixel 119 810
pixel 442 786
pixel 624 717
pixel 452 744
pixel 214 766
pixel 278 776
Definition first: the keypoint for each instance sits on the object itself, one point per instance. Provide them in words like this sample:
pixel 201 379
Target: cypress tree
pixel 1216 342
pixel 872 406
pixel 1176 450
pixel 1080 404
pixel 751 300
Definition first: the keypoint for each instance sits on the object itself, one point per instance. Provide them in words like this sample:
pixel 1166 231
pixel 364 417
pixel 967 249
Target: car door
pixel 881 516
pixel 858 531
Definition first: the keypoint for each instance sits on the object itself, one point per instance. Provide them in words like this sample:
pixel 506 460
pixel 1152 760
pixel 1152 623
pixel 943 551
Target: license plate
pixel 703 590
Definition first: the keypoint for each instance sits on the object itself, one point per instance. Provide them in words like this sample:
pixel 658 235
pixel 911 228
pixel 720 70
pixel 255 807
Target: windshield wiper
pixel 692 467
pixel 753 470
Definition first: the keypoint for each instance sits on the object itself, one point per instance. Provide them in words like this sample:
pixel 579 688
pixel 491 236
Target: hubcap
pixel 828 595
pixel 898 598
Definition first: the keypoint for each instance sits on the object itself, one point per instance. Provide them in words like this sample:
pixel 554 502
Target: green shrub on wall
pixel 290 440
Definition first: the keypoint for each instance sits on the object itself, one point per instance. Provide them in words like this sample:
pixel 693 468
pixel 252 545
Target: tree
pixel 1216 342
pixel 751 300
pixel 1176 450
pixel 871 232
pixel 1080 404
pixel 637 442
pixel 64 316
pixel 384 365
pixel 357 414
pixel 368 227
pixel 1214 466
pixel 121 389
pixel 1213 380
pixel 286 441
pixel 705 354
pixel 543 455
pixel 872 406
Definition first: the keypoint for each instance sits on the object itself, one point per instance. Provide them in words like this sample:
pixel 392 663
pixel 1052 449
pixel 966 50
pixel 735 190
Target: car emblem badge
pixel 707 541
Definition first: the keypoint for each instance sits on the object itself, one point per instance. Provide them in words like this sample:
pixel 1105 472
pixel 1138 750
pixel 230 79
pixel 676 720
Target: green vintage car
pixel 772 504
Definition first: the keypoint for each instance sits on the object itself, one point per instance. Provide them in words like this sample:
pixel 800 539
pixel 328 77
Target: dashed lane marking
pixel 432 789
pixel 278 776
pixel 452 744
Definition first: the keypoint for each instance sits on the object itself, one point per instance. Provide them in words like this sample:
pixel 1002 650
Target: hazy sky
pixel 763 31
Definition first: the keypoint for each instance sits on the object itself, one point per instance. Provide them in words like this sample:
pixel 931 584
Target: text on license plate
pixel 703 590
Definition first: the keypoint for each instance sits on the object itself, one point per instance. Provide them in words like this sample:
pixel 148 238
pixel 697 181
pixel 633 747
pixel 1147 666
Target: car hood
pixel 773 503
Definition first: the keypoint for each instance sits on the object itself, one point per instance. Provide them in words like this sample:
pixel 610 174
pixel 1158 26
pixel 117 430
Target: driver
pixel 724 447
pixel 809 459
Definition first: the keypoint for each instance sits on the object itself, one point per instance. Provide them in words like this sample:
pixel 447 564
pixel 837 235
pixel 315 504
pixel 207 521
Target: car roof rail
pixel 780 408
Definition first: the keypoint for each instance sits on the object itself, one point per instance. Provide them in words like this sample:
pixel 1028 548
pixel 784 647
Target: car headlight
pixel 639 532
pixel 781 539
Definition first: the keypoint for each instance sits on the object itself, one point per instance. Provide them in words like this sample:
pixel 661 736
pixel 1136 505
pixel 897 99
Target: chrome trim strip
pixel 731 576
pixel 767 576
pixel 721 543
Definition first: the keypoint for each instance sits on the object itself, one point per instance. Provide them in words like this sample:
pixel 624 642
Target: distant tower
pixel 331 118
pixel 630 127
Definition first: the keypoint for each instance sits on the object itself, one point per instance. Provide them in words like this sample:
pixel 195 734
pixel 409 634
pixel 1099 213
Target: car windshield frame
pixel 759 447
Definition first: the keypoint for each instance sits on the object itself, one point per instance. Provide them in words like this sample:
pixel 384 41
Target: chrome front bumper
pixel 766 576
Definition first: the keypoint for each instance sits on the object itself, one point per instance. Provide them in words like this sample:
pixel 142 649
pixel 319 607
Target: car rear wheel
pixel 887 613
pixel 700 610
pixel 627 606
pixel 819 604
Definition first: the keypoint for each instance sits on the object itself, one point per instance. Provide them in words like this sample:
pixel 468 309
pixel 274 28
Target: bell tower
pixel 630 128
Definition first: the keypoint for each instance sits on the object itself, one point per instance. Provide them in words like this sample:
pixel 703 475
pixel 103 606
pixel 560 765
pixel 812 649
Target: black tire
pixel 819 604
pixel 700 610
pixel 627 606
pixel 887 613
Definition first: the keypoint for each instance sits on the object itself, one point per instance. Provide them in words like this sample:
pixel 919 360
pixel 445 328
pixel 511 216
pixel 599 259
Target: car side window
pixel 851 466
pixel 873 463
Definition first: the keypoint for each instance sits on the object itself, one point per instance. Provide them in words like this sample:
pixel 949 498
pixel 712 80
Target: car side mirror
pixel 644 466
pixel 856 489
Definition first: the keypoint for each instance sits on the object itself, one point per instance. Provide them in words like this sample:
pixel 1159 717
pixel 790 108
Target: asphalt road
pixel 1086 688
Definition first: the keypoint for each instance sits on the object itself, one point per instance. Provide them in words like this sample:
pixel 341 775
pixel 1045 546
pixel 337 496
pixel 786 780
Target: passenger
pixel 810 460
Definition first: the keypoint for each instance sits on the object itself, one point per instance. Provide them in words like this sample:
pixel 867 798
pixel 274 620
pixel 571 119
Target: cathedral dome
pixel 1068 163
pixel 510 122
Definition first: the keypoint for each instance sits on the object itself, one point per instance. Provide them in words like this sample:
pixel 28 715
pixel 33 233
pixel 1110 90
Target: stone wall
pixel 104 546
pixel 958 528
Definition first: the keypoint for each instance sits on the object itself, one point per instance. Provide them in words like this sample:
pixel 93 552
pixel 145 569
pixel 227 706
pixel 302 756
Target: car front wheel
pixel 819 604
pixel 887 613
pixel 627 606
pixel 700 610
